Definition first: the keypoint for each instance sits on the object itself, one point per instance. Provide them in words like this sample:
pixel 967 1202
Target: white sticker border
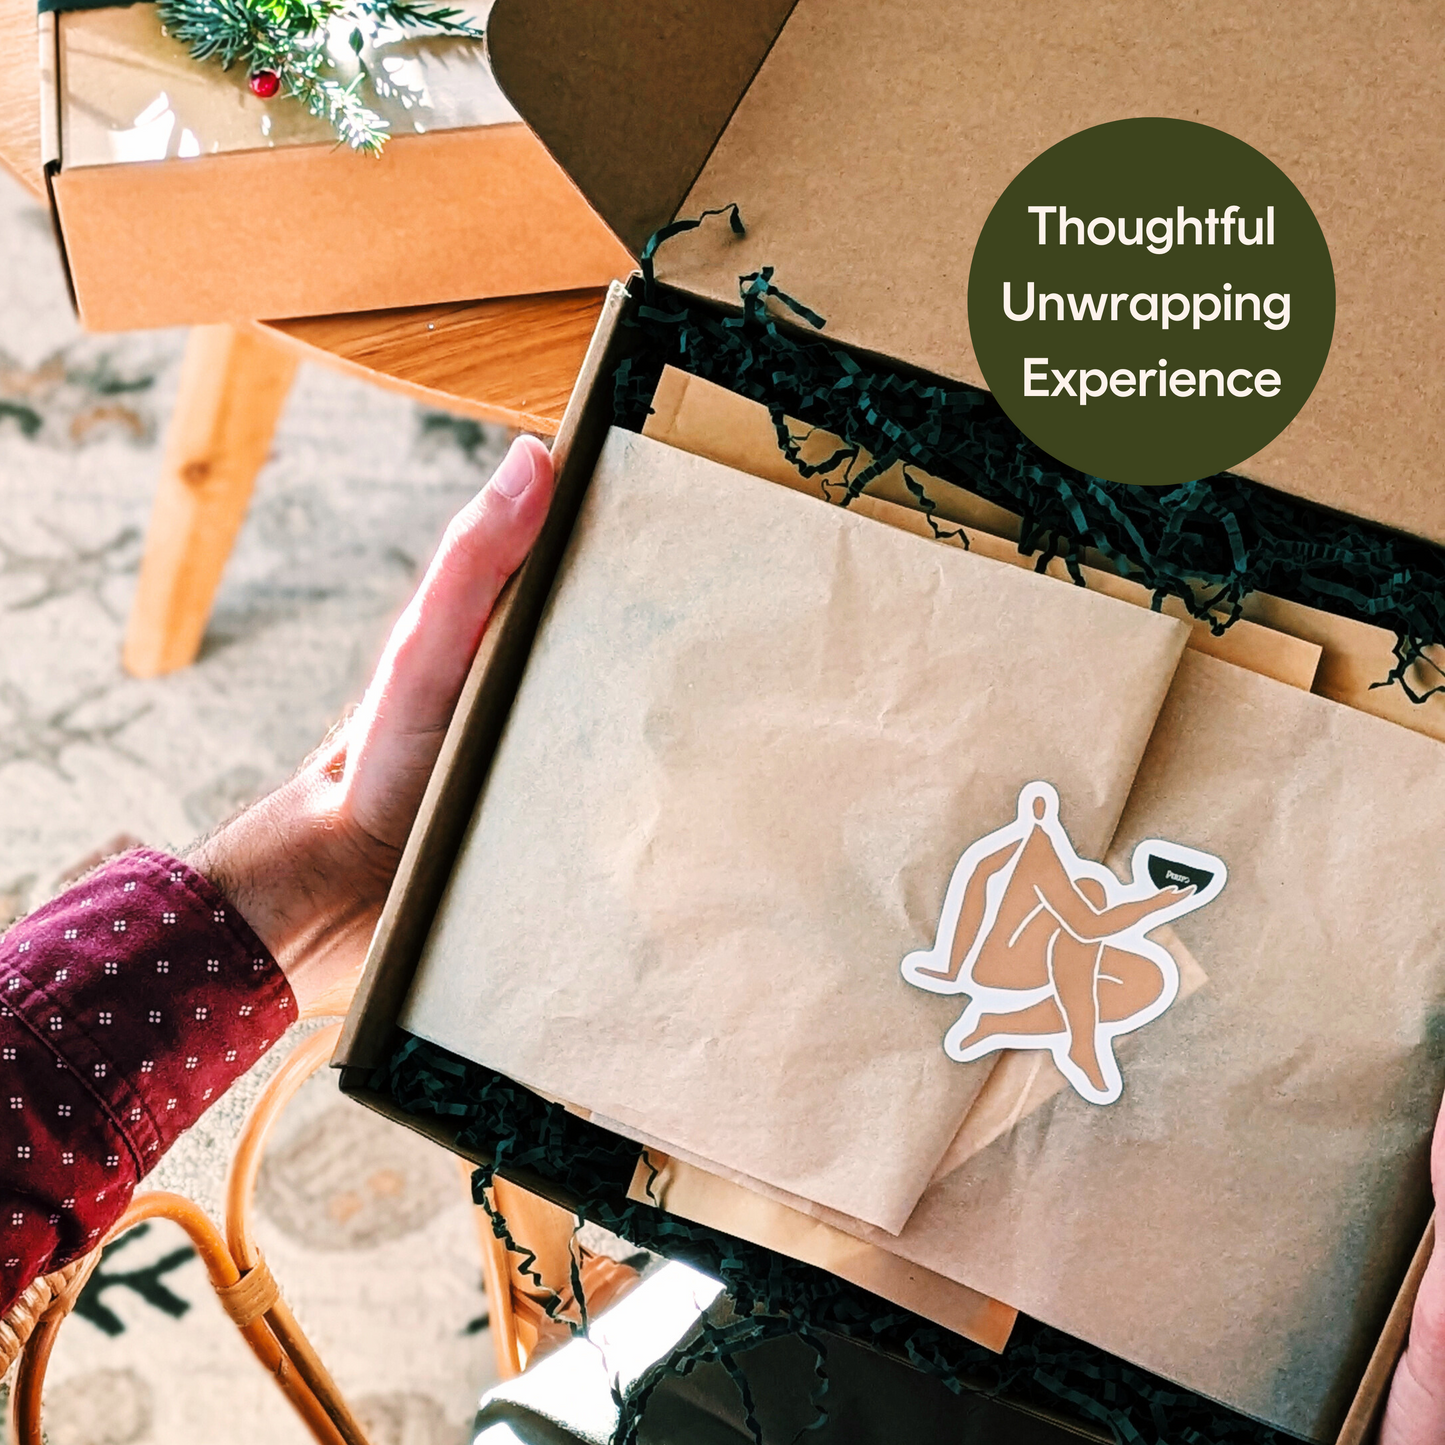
pixel 984 1000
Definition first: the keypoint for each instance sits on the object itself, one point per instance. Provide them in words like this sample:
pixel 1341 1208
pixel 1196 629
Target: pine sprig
pixel 435 19
pixel 341 105
pixel 288 39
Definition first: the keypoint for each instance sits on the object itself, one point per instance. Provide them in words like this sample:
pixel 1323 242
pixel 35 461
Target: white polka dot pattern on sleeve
pixel 103 1074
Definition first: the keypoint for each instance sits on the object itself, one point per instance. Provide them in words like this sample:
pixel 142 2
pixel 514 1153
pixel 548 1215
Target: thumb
pixel 396 734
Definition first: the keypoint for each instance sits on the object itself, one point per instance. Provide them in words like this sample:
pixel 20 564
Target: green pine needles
pixel 285 46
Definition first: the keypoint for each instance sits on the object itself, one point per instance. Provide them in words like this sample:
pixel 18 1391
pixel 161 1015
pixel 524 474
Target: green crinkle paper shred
pixel 1209 542
pixel 773 1295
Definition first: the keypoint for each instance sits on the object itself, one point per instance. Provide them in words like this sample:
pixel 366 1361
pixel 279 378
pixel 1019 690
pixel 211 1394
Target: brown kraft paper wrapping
pixel 1338 657
pixel 1240 1220
pixel 753 737
pixel 1018 1084
pixel 708 420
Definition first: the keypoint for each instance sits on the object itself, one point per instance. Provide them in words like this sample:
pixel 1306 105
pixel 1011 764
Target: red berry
pixel 265 83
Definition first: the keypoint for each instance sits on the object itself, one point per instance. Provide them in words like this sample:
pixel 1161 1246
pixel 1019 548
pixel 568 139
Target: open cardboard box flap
pixel 865 141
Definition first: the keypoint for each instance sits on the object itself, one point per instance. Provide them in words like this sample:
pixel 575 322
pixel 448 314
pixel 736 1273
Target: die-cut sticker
pixel 1052 949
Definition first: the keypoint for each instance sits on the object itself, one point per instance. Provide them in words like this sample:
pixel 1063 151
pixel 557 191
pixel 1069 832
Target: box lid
pixel 865 142
pixel 128 92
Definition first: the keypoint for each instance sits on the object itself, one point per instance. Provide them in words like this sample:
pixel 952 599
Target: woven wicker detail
pixel 41 1296
pixel 251 1296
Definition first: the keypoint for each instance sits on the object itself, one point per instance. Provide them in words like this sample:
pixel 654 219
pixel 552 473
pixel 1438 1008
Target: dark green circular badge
pixel 1151 301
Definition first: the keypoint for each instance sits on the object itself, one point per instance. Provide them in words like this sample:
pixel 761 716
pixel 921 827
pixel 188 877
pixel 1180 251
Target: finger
pixel 1427 1325
pixel 397 732
pixel 1437 1157
pixel 1415 1411
pixel 431 647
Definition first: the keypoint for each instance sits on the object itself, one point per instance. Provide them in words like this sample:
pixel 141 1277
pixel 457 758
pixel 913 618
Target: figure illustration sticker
pixel 1052 950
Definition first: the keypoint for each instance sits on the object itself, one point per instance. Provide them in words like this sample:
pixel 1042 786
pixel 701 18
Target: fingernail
pixel 517 472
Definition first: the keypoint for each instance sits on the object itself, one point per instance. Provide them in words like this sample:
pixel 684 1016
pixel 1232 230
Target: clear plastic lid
pixel 129 92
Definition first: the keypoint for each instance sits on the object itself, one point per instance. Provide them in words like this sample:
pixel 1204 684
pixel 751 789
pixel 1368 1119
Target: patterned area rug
pixel 367 1227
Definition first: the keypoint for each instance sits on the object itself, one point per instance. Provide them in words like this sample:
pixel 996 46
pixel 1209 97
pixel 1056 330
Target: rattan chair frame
pixel 234 1265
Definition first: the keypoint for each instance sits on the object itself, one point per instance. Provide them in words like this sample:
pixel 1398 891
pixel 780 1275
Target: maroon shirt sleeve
pixel 127 1006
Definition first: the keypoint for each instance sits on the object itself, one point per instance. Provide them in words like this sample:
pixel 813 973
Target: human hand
pixel 310 864
pixel 1415 1411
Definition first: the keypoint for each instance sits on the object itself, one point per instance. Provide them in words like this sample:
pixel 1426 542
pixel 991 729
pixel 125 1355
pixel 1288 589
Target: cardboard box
pixel 902 125
pixel 181 198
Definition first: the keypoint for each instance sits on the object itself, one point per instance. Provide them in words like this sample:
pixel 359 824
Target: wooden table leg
pixel 233 385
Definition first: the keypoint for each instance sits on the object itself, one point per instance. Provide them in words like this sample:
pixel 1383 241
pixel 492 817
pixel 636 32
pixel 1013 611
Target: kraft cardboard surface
pixel 753 736
pixel 635 92
pixel 368 1038
pixel 693 1194
pixel 877 134
pixel 1355 659
pixel 450 216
